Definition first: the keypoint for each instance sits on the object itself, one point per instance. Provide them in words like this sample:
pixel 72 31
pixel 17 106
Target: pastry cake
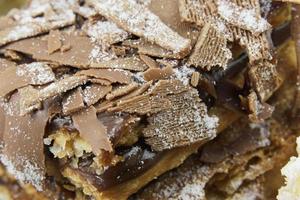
pixel 147 99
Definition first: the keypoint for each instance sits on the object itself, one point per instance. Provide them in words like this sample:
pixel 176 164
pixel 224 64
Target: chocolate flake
pixel 105 32
pixel 28 25
pixel 121 91
pixel 35 96
pixel 4 64
pixel 54 41
pixel 112 75
pixel 23 152
pixel 27 74
pixel 158 73
pixel 140 21
pixel 132 63
pixel 264 79
pixel 149 61
pixel 73 101
pixel 195 79
pixel 259 111
pixel 93 93
pixel 184 123
pixel 92 130
pixel 248 19
pixel 210 50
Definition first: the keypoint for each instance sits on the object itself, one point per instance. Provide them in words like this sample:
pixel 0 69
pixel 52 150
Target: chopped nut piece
pixel 139 20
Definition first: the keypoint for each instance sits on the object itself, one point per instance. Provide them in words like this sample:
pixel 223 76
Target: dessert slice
pixel 101 97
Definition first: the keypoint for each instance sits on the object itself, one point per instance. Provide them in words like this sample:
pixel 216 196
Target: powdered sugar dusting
pixel 183 73
pixel 138 19
pixel 39 73
pixel 32 174
pixel 246 18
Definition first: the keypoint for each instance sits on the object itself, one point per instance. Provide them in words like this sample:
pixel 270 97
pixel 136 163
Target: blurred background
pixel 6 5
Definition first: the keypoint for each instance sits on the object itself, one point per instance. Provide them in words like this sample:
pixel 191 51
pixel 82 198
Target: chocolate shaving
pixel 148 48
pixel 264 79
pixel 132 63
pixel 210 50
pixel 54 41
pixel 121 91
pixel 84 10
pixel 248 19
pixel 93 93
pixel 4 64
pixel 140 21
pixel 23 153
pixel 112 75
pixel 23 75
pixel 259 111
pixel 158 73
pixel 77 56
pixel 92 130
pixel 28 26
pixel 105 32
pixel 100 81
pixel 184 123
pixel 73 101
pixel 34 96
pixel 149 61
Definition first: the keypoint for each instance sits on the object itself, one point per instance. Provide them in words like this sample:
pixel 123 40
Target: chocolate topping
pixel 93 93
pixel 121 91
pixel 140 21
pixel 54 41
pixel 112 75
pixel 158 73
pixel 23 152
pixel 73 101
pixel 23 75
pixel 27 24
pixel 133 63
pixel 92 130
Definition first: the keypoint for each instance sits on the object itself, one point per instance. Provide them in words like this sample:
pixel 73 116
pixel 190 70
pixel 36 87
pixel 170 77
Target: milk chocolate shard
pixel 23 152
pixel 112 75
pixel 210 50
pixel 265 79
pixel 139 20
pixel 133 63
pixel 105 32
pixel 185 122
pixel 93 93
pixel 73 101
pixel 28 23
pixel 54 41
pixel 33 96
pixel 248 19
pixel 92 130
pixel 22 75
pixel 158 73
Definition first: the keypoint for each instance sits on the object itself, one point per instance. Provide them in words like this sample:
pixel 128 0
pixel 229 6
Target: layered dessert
pixel 136 99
